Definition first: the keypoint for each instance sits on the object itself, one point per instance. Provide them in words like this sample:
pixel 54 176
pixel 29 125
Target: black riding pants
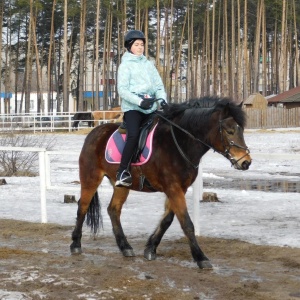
pixel 134 120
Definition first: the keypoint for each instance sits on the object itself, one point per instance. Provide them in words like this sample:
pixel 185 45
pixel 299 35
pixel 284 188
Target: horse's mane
pixel 197 112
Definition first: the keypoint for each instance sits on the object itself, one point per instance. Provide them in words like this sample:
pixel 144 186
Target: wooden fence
pixel 273 117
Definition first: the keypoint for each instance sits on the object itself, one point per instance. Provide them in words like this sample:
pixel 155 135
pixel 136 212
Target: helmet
pixel 133 35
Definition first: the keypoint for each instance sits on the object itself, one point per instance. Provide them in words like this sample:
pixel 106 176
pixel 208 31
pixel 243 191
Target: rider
pixel 138 83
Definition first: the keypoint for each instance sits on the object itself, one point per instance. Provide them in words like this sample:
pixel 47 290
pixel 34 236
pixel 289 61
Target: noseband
pixel 229 145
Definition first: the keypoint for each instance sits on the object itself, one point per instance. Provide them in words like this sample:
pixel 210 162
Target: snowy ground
pixel 257 216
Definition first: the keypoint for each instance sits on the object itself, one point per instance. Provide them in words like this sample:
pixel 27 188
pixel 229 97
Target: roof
pixel 292 95
pixel 252 97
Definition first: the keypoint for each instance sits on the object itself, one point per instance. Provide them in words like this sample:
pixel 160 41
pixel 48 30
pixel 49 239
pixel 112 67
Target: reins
pixel 187 133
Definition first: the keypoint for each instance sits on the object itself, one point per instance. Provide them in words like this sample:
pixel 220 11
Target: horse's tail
pixel 93 216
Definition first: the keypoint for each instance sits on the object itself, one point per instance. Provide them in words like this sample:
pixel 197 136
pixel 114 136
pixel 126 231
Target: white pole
pixel 197 194
pixel 47 170
pixel 42 160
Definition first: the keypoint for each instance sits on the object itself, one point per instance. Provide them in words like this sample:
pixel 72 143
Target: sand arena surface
pixel 36 264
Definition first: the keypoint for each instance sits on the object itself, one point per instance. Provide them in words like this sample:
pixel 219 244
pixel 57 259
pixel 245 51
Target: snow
pixel 257 216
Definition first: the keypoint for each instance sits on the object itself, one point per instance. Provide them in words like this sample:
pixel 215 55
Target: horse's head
pixel 230 131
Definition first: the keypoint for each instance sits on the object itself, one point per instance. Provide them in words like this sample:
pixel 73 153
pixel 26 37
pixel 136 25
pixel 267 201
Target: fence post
pixel 42 171
pixel 197 193
pixel 47 170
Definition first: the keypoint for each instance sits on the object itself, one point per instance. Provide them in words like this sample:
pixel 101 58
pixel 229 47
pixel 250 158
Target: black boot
pixel 124 178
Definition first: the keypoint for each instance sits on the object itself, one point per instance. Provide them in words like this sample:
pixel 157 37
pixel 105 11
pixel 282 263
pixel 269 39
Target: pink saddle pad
pixel 115 145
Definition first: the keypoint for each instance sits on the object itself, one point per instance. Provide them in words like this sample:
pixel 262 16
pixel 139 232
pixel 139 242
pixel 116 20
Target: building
pixel 288 99
pixel 9 102
pixel 257 101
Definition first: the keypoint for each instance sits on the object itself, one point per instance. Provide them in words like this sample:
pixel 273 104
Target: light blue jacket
pixel 137 75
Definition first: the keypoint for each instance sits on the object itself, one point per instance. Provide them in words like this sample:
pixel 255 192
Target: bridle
pixel 226 146
pixel 230 144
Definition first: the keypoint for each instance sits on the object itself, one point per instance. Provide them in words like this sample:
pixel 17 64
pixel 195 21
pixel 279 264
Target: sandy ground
pixel 36 264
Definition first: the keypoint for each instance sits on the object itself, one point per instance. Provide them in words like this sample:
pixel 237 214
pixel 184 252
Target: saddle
pixel 116 142
pixel 145 128
pixel 141 155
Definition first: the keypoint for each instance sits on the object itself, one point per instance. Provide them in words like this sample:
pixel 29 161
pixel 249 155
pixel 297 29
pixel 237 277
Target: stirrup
pixel 124 179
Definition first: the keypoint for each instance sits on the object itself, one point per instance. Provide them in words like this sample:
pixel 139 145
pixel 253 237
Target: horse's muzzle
pixel 246 164
pixel 243 163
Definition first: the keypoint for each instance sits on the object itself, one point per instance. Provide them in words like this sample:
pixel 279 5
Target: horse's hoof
pixel 205 264
pixel 76 250
pixel 149 255
pixel 128 253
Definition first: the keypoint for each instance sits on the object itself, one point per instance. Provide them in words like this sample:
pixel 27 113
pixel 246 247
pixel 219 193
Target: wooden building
pixel 288 99
pixel 257 101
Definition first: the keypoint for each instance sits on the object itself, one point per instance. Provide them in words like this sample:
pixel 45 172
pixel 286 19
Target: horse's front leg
pixel 114 210
pixel 178 205
pixel 155 238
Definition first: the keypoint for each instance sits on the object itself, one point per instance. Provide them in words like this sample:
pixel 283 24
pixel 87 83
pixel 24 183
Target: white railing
pixel 42 123
pixel 42 174
pixel 45 181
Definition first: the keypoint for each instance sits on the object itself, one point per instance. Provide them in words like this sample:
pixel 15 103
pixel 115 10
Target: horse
pixel 113 115
pixel 83 116
pixel 184 133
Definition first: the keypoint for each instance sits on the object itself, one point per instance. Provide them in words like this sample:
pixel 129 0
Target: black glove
pixel 164 105
pixel 146 103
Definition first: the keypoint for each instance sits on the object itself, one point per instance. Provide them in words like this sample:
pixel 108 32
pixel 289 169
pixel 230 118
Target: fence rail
pixel 45 181
pixel 273 117
pixel 34 122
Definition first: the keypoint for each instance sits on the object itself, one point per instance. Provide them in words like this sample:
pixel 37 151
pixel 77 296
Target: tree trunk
pixel 246 77
pixel 232 87
pixel 227 65
pixel 81 55
pixel 282 57
pixel 239 55
pixel 29 61
pixel 297 58
pixel 1 26
pixel 41 105
pixel 96 104
pixel 256 48
pixel 264 51
pixel 65 82
pixel 157 60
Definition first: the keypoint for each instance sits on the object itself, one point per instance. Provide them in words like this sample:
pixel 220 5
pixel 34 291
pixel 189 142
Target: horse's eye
pixel 230 131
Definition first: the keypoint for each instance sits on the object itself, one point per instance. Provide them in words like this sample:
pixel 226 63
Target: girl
pixel 137 81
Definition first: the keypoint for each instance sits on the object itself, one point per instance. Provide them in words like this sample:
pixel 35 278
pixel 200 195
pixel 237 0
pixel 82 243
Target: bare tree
pixel 296 56
pixel 28 74
pixel 282 56
pixel 38 67
pixel 1 28
pixel 81 54
pixel 66 68
pixel 97 100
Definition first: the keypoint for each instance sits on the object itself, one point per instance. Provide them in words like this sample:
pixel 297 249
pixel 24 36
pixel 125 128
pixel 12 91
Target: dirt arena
pixel 36 264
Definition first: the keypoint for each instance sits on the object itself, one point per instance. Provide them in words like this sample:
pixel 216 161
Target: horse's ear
pixel 225 113
pixel 241 104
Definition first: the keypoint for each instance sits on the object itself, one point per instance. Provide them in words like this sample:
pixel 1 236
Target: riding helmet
pixel 131 36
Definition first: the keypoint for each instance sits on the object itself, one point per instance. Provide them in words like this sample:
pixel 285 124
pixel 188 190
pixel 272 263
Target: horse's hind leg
pixel 114 210
pixel 155 238
pixel 88 196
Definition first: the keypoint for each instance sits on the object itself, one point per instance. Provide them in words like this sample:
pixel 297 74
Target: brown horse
pixel 185 132
pixel 114 115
